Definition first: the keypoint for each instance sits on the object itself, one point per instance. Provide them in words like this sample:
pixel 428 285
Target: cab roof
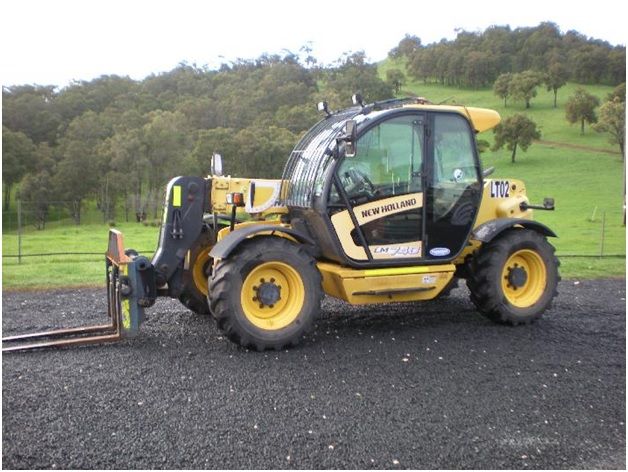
pixel 482 119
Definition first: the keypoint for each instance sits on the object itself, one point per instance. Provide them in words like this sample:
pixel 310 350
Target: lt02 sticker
pixel 500 189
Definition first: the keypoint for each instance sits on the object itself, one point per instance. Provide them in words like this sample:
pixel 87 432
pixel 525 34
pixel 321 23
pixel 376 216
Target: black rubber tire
pixel 225 287
pixel 485 284
pixel 192 297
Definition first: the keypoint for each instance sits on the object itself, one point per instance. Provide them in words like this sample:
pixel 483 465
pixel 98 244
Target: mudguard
pixel 225 246
pixel 489 230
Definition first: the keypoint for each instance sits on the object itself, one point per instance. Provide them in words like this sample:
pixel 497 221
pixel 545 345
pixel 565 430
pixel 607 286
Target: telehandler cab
pixel 378 203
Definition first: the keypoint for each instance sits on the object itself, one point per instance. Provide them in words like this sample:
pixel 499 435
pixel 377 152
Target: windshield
pixel 310 156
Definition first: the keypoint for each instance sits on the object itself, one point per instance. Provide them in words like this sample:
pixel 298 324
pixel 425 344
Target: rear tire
pixel 513 279
pixel 194 293
pixel 266 294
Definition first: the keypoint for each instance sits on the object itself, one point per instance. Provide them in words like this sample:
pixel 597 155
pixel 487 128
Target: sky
pixel 56 42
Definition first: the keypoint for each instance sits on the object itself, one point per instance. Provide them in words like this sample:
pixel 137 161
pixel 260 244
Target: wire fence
pixel 26 224
pixel 50 254
pixel 45 254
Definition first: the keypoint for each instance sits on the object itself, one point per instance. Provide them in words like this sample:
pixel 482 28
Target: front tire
pixel 513 279
pixel 266 294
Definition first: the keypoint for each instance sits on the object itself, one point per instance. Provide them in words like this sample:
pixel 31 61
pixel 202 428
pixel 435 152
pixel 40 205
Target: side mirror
pixel 350 138
pixel 357 99
pixel 323 107
pixel 548 203
pixel 216 164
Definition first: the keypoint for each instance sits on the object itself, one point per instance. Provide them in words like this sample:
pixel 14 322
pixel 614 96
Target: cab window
pixel 388 162
pixel 454 151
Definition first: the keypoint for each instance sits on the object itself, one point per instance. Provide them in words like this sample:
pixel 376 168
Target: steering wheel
pixel 361 183
pixel 457 175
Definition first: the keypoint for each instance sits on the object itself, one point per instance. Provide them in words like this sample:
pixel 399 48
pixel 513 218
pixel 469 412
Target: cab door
pixel 453 186
pixel 376 202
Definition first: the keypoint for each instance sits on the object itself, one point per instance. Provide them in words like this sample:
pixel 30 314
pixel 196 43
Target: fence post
pixel 19 231
pixel 603 233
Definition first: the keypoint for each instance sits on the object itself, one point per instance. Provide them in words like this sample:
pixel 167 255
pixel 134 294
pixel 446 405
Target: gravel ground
pixel 398 386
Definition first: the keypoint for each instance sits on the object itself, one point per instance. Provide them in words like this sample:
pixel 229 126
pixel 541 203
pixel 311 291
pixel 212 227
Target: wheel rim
pixel 524 278
pixel 200 270
pixel 272 295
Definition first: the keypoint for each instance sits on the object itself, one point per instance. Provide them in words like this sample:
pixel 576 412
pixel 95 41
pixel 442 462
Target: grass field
pixel 582 173
pixel 68 270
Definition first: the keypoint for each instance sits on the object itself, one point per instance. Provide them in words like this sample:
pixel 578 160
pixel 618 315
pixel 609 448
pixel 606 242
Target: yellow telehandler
pixel 378 203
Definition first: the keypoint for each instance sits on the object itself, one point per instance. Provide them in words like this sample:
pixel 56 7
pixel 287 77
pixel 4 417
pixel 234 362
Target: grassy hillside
pixel 552 122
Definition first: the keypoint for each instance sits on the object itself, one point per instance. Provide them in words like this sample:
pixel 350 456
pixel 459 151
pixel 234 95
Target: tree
pixel 501 87
pixel 18 158
pixel 556 76
pixel 297 118
pixel 543 38
pixel 618 92
pixel 516 131
pixel 396 79
pixel 36 194
pixel 580 107
pixel 423 63
pixel 479 69
pixel 215 140
pixel 165 143
pixel 589 64
pixel 355 75
pixel 483 145
pixel 406 47
pixel 82 167
pixel 284 82
pixel 263 151
pixel 612 120
pixel 523 86
pixel 95 95
pixel 499 42
pixel 124 153
pixel 31 110
pixel 443 62
pixel 616 65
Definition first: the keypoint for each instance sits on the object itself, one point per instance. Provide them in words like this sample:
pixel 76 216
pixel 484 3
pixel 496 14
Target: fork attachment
pixel 130 288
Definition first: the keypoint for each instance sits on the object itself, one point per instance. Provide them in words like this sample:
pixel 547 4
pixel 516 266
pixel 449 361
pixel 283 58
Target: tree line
pixel 477 59
pixel 117 141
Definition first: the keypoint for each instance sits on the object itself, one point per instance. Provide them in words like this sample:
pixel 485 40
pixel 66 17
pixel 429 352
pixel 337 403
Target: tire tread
pixel 223 282
pixel 488 260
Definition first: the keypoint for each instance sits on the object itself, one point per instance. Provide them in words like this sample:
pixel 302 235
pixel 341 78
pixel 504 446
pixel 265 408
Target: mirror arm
pixel 349 138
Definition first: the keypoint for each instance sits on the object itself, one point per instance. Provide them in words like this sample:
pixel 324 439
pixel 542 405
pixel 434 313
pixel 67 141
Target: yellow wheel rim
pixel 272 295
pixel 199 274
pixel 524 278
